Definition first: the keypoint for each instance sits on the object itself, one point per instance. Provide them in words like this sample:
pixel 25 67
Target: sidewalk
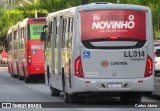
pixel 3 69
pixel 3 65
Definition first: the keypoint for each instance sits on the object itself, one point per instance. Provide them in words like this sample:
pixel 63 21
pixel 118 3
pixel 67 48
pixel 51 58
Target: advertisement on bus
pixel 121 24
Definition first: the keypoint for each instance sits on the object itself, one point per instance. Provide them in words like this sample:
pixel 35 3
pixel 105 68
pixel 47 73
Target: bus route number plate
pixel 114 85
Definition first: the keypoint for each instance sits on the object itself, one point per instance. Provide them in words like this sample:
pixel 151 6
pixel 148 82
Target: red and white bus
pixel 10 50
pixel 100 49
pixel 30 50
pixel 12 39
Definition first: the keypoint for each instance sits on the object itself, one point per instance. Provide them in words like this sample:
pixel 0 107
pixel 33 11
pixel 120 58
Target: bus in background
pixel 100 49
pixel 31 49
pixel 26 51
pixel 13 44
pixel 9 51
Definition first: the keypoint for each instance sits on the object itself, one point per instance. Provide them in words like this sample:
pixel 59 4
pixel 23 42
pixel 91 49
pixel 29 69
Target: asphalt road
pixel 14 90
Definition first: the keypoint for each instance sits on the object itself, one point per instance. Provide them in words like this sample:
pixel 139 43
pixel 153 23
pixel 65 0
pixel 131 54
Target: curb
pixel 3 68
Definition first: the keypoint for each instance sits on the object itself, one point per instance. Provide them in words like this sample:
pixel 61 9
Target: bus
pixel 99 49
pixel 30 49
pixel 10 48
pixel 12 40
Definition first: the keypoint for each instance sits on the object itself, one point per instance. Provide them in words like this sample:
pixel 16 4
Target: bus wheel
pixel 65 95
pixel 72 98
pixel 11 75
pixel 133 97
pixel 55 92
pixel 47 77
pixel 15 76
pixel 20 77
pixel 137 97
pixel 27 80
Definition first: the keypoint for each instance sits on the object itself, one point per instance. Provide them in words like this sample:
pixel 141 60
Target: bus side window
pixel 70 32
pixel 50 28
pixel 9 42
pixel 56 30
pixel 57 34
pixel 21 37
pixel 48 41
pixel 15 43
pixel 65 33
pixel 25 36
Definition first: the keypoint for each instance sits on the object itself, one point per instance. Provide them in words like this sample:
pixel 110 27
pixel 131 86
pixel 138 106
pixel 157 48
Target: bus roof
pixel 24 22
pixel 10 30
pixel 94 6
pixel 36 20
pixel 69 10
pixel 16 26
pixel 111 6
pixel 32 21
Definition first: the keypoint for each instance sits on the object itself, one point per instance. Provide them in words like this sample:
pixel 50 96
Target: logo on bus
pixel 113 22
pixel 34 52
pixel 104 63
pixel 96 17
pixel 86 54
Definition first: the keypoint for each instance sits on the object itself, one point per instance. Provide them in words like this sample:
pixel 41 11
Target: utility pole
pixel 35 1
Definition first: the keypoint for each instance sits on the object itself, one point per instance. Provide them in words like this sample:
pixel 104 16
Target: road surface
pixel 14 90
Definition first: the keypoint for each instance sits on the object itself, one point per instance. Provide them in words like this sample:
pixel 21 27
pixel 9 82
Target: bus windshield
pixel 35 31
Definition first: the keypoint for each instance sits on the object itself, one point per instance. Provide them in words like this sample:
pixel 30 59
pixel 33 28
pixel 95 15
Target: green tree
pixel 8 18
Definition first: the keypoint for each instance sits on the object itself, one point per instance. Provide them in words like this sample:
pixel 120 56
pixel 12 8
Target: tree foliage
pixel 15 13
pixel 7 20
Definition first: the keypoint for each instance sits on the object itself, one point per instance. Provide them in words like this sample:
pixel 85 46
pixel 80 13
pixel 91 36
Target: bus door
pixel 58 40
pixel 54 73
pixel 114 45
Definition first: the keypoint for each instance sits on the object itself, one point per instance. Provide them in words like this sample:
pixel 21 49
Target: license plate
pixel 114 85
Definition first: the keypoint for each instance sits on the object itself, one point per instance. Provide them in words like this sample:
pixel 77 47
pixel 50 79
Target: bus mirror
pixel 44 27
pixel 43 37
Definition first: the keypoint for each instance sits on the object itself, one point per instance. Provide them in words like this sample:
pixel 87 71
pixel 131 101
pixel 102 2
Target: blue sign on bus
pixel 86 54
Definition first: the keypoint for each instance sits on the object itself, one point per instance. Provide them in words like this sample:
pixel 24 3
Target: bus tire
pixel 72 98
pixel 48 76
pixel 11 75
pixel 63 80
pixel 65 94
pixel 15 76
pixel 156 73
pixel 67 97
pixel 20 77
pixel 27 80
pixel 55 92
pixel 137 97
pixel 133 97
